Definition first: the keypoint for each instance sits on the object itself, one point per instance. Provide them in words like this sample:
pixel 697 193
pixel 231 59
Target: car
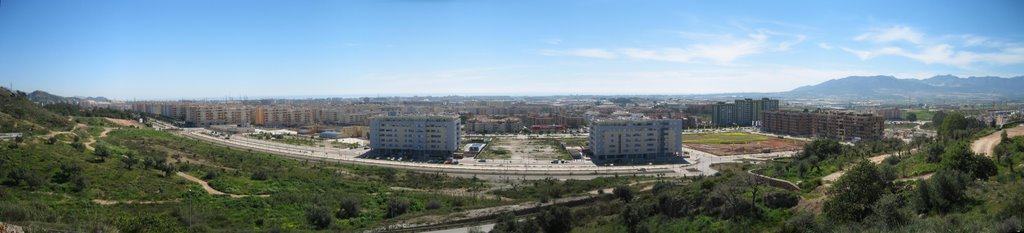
pixel 482 160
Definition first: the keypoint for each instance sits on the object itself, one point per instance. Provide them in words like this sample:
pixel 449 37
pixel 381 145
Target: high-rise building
pixel 744 112
pixel 636 140
pixel 420 136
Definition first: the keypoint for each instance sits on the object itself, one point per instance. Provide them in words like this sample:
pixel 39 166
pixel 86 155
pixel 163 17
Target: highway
pixel 699 162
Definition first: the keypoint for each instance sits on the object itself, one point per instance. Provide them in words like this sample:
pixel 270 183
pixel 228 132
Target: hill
pixel 18 114
pixel 945 87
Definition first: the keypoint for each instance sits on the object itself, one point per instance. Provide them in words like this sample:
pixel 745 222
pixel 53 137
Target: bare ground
pixel 771 145
pixel 988 143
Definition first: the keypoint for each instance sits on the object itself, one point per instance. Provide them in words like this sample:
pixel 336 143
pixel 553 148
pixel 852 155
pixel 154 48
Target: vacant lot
pixel 535 148
pixel 724 138
pixel 738 143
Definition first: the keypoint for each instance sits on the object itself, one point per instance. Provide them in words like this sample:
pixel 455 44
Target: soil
pixel 769 146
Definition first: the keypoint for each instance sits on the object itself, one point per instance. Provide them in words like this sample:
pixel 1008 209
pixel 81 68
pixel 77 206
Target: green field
pixel 723 138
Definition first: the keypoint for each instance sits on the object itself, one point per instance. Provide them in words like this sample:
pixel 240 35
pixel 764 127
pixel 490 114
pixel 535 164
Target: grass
pixel 724 138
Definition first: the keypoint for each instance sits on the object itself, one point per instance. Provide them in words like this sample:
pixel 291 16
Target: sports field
pixel 724 138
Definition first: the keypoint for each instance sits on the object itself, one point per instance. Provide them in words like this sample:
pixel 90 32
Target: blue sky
pixel 201 49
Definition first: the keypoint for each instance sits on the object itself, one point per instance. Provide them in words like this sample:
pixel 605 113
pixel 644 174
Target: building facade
pixel 744 112
pixel 835 125
pixel 420 136
pixel 636 140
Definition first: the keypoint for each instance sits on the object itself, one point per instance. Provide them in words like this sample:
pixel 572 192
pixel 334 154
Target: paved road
pixel 699 163
pixel 988 143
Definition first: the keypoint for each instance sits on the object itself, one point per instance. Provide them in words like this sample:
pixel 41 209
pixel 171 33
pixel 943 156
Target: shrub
pixel 433 205
pixel 781 199
pixel 349 208
pixel 623 192
pixel 259 175
pixel 397 207
pixel 319 217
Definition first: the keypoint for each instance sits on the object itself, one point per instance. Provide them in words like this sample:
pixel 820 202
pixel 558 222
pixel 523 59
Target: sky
pixel 185 49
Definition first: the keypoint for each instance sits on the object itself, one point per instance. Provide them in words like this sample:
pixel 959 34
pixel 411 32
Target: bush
pixel 397 207
pixel 433 205
pixel 259 175
pixel 781 199
pixel 556 220
pixel 319 217
pixel 349 208
pixel 623 192
pixel 211 174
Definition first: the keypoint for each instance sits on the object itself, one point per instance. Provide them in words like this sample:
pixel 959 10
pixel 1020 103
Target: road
pixel 988 143
pixel 699 162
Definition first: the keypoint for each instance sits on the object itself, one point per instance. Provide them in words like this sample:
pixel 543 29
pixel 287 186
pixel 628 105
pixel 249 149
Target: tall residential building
pixel 744 112
pixel 835 125
pixel 636 140
pixel 421 136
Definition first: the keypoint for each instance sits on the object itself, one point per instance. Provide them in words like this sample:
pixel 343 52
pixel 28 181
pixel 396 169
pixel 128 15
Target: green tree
pixel 557 219
pixel 851 197
pixel 888 211
pixel 938 118
pixel 911 116
pixel 960 157
pixel 623 192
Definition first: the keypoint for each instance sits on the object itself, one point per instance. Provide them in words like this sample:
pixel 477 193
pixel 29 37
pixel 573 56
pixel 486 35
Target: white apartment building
pixel 421 136
pixel 636 140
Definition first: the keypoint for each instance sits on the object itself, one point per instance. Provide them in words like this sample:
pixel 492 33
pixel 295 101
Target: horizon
pixel 126 50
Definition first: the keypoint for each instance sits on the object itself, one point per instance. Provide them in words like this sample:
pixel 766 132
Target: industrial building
pixel 744 112
pixel 636 140
pixel 835 125
pixel 418 136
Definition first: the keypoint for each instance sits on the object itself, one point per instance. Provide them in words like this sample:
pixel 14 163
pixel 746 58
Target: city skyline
pixel 190 49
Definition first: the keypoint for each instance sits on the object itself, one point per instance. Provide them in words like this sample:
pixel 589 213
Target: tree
pixel 960 157
pixel 319 216
pixel 623 192
pixel 911 116
pixel 888 211
pixel 945 190
pixel 557 219
pixel 129 162
pixel 52 140
pixel 633 216
pixel 851 197
pixel 938 118
pixel 952 125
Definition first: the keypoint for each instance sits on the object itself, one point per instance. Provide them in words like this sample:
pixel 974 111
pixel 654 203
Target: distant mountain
pixel 938 87
pixel 44 98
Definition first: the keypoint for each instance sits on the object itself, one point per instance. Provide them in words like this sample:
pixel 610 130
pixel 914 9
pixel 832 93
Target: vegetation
pixel 724 138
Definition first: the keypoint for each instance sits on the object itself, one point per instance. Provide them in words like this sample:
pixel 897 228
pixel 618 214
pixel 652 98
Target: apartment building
pixel 835 125
pixel 207 115
pixel 431 136
pixel 744 112
pixel 636 140
pixel 483 124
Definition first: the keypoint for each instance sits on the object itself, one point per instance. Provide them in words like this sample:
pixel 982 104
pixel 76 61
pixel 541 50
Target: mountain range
pixel 942 87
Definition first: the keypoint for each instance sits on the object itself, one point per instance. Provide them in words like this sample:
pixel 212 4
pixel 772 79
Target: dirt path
pixel 988 143
pixel 110 202
pixel 92 140
pixel 828 179
pixel 125 123
pixel 210 190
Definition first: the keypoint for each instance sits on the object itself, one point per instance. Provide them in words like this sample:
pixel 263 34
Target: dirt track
pixel 988 143
pixel 209 189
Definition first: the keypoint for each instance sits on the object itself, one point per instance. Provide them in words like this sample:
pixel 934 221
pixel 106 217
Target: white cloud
pixel 553 41
pixel 716 48
pixel 591 53
pixel 947 55
pixel 825 46
pixel 939 50
pixel 892 34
